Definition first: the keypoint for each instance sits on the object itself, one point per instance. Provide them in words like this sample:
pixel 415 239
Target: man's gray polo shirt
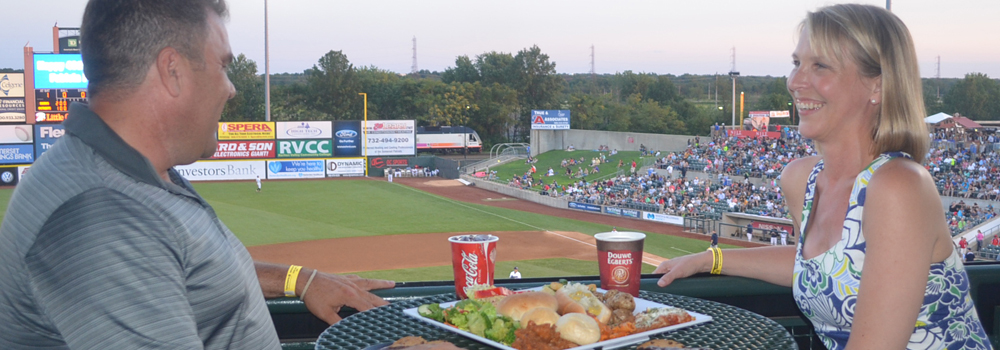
pixel 98 252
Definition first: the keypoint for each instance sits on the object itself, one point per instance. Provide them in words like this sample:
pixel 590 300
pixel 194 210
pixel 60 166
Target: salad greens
pixel 474 317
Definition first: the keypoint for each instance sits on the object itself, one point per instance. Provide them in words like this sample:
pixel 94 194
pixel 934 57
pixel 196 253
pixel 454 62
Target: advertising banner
pixel 664 218
pixel 46 136
pixel 11 105
pixel 550 119
pixel 13 117
pixel 304 148
pixel 767 226
pixel 391 137
pixel 16 154
pixel 613 210
pixel 244 150
pixel 345 167
pixel 50 117
pixel 304 130
pixel 347 138
pixel 21 172
pixel 246 131
pixel 12 85
pixel 585 206
pixel 8 176
pixel 295 169
pixel 16 134
pixel 382 162
pixel 629 213
pixel 223 170
pixel 59 71
pixel 779 114
pixel 753 134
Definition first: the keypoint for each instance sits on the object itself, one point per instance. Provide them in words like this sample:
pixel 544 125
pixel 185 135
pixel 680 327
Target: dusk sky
pixel 666 36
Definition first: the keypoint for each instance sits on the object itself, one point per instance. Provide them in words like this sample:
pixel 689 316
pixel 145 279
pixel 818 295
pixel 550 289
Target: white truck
pixel 446 139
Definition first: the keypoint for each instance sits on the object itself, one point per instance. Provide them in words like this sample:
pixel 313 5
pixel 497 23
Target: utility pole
pixel 592 71
pixel 888 5
pixel 938 76
pixel 414 70
pixel 267 70
pixel 733 74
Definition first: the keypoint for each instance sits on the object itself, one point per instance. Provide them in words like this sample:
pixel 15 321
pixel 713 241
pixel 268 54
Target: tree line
pixel 494 93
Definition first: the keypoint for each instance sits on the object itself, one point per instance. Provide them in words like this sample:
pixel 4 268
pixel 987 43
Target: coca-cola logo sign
pixel 470 264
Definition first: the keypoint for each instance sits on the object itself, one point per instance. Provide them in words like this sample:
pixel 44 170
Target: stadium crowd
pixel 963 164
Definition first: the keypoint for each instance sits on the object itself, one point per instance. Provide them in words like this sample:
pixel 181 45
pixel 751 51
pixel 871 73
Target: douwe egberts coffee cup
pixel 473 258
pixel 619 257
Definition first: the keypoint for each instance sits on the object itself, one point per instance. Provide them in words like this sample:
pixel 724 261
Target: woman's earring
pixel 873 101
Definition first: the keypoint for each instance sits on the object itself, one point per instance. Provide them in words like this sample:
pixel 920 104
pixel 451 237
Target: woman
pixel 866 203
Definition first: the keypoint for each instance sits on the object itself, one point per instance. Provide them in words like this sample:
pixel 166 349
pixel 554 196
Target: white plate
pixel 640 305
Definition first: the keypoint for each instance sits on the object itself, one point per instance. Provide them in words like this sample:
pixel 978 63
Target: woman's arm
pixel 902 225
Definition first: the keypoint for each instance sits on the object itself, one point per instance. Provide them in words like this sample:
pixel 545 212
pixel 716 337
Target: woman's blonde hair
pixel 881 46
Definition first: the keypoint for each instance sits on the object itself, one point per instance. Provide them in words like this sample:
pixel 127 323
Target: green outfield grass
pixel 557 267
pixel 291 211
pixel 553 159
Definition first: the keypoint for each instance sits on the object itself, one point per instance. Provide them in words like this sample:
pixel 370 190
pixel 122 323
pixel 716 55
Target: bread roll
pixel 540 316
pixel 514 306
pixel 578 328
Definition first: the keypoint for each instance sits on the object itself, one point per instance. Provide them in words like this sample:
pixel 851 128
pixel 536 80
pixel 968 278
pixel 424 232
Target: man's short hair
pixel 120 39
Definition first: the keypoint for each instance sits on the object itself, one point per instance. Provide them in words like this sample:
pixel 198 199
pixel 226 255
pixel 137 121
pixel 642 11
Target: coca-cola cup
pixel 619 257
pixel 473 257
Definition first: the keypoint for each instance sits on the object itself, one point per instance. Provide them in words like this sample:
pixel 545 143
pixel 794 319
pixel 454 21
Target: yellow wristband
pixel 290 279
pixel 717 261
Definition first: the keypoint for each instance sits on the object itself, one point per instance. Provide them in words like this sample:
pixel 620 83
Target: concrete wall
pixel 530 196
pixel 546 140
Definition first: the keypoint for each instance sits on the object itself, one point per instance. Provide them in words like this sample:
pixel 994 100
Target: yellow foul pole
pixel 364 133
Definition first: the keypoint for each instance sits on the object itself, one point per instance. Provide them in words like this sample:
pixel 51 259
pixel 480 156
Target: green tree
pixel 248 104
pixel 463 72
pixel 334 87
pixel 977 96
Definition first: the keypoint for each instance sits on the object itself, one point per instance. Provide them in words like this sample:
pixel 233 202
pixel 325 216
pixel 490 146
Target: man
pixel 979 240
pixel 963 245
pixel 515 274
pixel 106 246
pixel 749 233
pixel 774 237
pixel 715 239
pixel 784 236
pixel 388 174
pixel 258 183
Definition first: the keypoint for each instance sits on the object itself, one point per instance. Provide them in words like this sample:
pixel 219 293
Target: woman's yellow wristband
pixel 290 279
pixel 716 261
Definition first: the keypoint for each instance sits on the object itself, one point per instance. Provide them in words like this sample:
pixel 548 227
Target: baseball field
pixel 398 230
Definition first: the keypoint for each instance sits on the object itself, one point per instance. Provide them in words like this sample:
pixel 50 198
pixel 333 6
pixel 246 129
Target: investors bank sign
pixel 223 170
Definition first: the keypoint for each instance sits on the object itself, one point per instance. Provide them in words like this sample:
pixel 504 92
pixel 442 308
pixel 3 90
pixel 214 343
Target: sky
pixel 653 36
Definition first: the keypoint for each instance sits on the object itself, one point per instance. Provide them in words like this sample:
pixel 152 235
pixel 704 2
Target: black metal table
pixel 731 327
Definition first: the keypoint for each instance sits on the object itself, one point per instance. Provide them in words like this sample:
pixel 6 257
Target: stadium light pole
pixel 267 70
pixel 364 134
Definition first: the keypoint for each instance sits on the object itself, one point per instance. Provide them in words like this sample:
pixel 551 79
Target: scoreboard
pixel 59 81
pixel 58 100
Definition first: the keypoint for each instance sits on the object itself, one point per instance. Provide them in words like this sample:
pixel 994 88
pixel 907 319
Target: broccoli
pixel 431 311
pixel 502 331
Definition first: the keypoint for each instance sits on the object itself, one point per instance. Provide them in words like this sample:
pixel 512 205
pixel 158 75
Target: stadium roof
pixel 937 118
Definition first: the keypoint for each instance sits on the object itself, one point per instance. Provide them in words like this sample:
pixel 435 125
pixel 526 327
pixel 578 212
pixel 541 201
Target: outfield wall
pixel 546 140
pixel 530 196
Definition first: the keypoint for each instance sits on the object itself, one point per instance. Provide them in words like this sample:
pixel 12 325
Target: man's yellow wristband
pixel 290 279
pixel 716 261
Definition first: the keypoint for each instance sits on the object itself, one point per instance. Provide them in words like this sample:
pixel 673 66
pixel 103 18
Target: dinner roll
pixel 514 306
pixel 540 316
pixel 578 328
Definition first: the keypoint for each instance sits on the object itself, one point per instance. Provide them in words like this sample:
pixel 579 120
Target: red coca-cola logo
pixel 470 264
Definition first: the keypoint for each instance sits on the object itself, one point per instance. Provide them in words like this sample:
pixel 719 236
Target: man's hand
pixel 328 293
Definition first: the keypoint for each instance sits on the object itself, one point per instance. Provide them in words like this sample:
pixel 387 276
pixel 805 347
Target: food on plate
pixel 664 344
pixel 539 315
pixel 618 331
pixel 579 298
pixel 579 328
pixel 621 316
pixel 659 317
pixel 514 306
pixel 540 337
pixel 487 293
pixel 413 342
pixel 616 300
pixel 474 317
